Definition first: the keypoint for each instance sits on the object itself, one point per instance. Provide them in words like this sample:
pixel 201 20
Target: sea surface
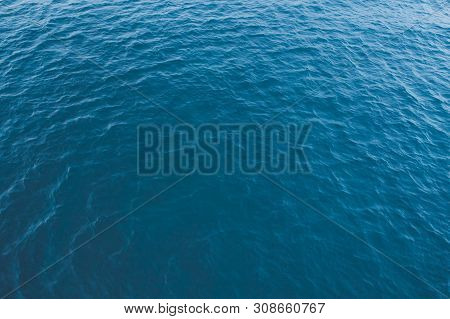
pixel 370 221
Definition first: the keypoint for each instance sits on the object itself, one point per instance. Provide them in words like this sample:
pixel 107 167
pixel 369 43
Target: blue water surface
pixel 78 77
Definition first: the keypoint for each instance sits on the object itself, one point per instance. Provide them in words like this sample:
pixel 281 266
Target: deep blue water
pixel 78 77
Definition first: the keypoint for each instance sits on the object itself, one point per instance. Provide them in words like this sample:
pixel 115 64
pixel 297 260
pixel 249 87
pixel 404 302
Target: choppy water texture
pixel 372 77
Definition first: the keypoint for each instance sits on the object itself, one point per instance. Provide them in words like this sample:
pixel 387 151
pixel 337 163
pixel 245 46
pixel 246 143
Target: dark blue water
pixel 78 77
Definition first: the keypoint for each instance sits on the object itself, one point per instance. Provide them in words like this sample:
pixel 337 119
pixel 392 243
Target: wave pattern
pixel 79 76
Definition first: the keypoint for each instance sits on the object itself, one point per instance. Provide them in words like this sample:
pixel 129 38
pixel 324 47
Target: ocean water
pixel 78 77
